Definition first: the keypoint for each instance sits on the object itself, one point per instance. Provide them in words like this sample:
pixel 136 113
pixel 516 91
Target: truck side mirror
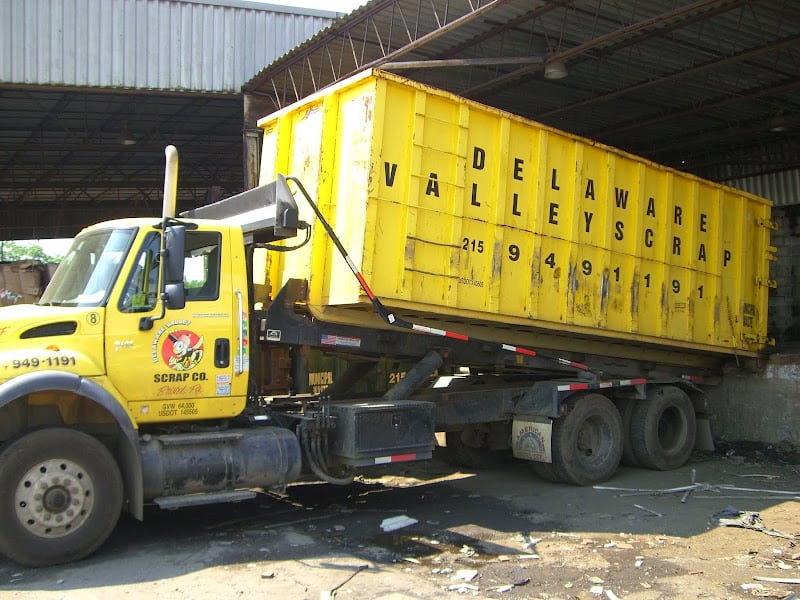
pixel 175 295
pixel 174 248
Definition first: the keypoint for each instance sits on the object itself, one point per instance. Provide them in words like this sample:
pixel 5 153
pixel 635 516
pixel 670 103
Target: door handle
pixel 222 353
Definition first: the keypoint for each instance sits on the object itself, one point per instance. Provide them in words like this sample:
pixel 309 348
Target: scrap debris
pixel 652 512
pixel 331 593
pixel 395 523
pixel 789 580
pixel 731 517
pixel 687 490
pixel 510 586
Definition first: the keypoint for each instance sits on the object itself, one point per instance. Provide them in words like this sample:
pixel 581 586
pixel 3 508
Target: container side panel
pixel 653 241
pixel 486 170
pixel 346 166
pixel 392 167
pixel 558 215
pixel 587 278
pixel 303 161
pixel 458 212
pixel 551 256
pixel 518 278
pixel 475 276
pixel 756 273
pixel 619 288
pixel 431 257
pixel 652 310
pixel 519 199
pixel 731 264
pixel 624 200
pixel 593 200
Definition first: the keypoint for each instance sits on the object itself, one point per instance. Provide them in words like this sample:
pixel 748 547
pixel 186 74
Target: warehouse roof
pixel 92 91
pixel 708 86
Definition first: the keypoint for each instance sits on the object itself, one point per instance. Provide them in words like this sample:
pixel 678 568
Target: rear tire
pixel 625 406
pixel 547 472
pixel 60 496
pixel 587 440
pixel 663 428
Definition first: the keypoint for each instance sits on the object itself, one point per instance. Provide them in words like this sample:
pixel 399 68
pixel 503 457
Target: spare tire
pixel 663 428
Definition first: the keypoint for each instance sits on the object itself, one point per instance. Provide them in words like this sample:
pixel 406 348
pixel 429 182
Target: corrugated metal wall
pixel 782 188
pixel 147 44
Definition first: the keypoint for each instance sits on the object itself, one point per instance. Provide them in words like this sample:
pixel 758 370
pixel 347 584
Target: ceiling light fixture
pixel 555 70
pixel 777 124
pixel 125 138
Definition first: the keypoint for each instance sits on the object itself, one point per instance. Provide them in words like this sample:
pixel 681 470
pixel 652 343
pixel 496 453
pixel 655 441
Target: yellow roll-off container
pixel 460 214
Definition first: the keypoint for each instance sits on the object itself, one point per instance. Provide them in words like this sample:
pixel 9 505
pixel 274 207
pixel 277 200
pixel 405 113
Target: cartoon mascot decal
pixel 182 350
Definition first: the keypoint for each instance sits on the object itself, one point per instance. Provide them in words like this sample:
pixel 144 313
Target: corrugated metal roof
pixel 694 84
pixel 150 44
pixel 707 86
pixel 92 90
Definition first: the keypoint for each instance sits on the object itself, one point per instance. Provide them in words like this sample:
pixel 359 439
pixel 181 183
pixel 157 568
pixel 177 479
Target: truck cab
pixel 101 319
pixel 144 324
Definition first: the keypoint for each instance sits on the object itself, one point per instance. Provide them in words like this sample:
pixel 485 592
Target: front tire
pixel 60 496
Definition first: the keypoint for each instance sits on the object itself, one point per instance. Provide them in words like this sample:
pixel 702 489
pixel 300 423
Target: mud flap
pixel 531 439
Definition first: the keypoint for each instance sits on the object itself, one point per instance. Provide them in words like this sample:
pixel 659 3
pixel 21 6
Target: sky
pixel 59 247
pixel 344 6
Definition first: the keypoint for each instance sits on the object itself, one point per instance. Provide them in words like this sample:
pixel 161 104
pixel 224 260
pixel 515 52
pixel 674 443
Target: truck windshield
pixel 87 273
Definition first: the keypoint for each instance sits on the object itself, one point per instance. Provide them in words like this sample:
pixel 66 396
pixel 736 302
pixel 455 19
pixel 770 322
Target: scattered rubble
pixel 395 523
pixel 732 517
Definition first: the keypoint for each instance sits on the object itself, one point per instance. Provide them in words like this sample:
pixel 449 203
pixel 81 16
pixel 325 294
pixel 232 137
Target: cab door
pixel 185 366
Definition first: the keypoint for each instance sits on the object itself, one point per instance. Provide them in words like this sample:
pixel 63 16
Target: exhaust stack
pixel 170 182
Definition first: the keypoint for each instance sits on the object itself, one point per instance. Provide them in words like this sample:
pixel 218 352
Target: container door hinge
pixel 770 283
pixel 768 223
pixel 772 253
pixel 759 339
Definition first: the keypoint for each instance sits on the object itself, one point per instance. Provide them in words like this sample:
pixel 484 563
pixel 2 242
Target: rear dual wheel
pixel 662 428
pixel 625 406
pixel 60 496
pixel 586 442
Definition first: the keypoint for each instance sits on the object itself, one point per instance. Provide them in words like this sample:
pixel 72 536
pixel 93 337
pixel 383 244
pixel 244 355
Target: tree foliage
pixel 11 251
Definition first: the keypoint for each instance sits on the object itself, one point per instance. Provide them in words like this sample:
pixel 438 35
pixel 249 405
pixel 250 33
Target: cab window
pixel 141 290
pixel 201 271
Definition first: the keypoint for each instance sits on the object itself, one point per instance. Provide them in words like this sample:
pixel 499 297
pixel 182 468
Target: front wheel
pixel 60 496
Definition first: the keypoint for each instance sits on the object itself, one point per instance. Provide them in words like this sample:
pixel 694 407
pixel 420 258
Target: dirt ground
pixel 498 533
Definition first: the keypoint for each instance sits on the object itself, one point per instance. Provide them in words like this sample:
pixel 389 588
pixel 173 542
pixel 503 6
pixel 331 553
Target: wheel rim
pixel 54 498
pixel 589 441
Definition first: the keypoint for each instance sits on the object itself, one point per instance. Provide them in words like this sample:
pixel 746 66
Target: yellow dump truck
pixel 514 288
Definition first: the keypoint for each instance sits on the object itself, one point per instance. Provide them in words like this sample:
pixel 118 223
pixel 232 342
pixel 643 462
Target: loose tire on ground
pixel 60 496
pixel 663 428
pixel 587 440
